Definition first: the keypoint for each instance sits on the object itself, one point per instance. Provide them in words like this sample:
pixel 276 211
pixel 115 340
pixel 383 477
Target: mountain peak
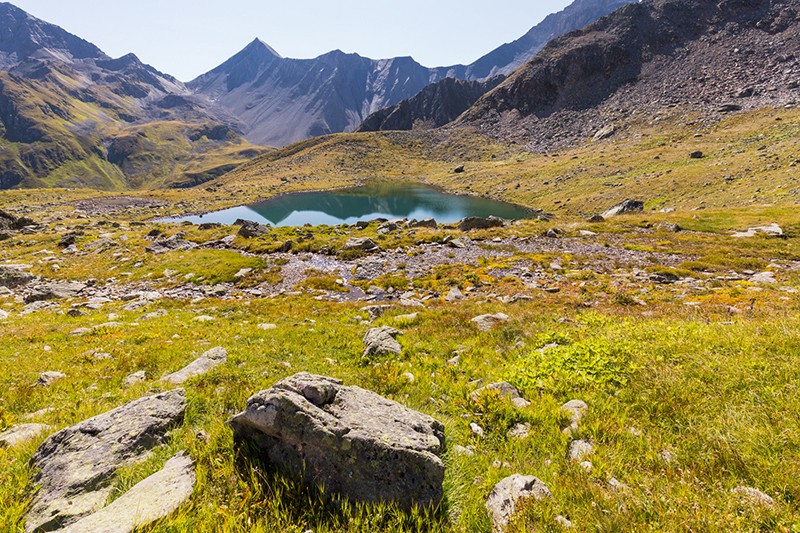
pixel 258 46
pixel 24 35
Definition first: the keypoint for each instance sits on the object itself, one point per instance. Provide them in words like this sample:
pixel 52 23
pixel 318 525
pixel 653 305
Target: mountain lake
pixel 377 199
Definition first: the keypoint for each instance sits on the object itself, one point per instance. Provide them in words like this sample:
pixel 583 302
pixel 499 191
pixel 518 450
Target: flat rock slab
pixel 55 290
pixel 353 442
pixel 203 364
pixel 152 499
pixel 21 433
pixel 507 495
pixel 76 465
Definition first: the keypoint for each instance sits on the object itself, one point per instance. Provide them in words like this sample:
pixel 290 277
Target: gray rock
pixel 575 409
pixel 628 206
pixel 252 229
pixel 76 465
pixel 381 341
pixel 508 494
pixel 773 230
pixel 520 431
pixel 351 441
pixel 158 313
pixel 203 364
pixel 473 223
pixel 55 290
pixel 176 242
pixel 364 244
pixel 579 450
pixel 427 223
pixel 455 294
pixel 505 390
pixel 3 315
pixel 764 277
pixel 133 379
pixel 487 322
pixel 376 311
pixel 48 378
pixel 563 522
pixel 476 430
pixel 605 132
pixel 12 276
pixel 754 496
pixel 21 433
pixel 152 499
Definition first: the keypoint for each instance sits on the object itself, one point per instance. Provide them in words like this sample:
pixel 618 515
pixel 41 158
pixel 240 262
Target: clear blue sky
pixel 186 38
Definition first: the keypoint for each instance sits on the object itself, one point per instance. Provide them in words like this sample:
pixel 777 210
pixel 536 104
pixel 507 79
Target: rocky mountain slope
pixel 281 100
pixel 72 116
pixel 434 106
pixel 704 58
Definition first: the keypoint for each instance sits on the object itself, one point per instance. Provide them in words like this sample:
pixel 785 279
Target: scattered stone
pixel 158 313
pixel 552 234
pixel 76 465
pixel 666 456
pixel 520 431
pixel 563 522
pixel 376 311
pixel 596 219
pixel 21 433
pixel 476 430
pixel 579 449
pixel 575 409
pixel 48 378
pixel 467 451
pixel 508 494
pixel 133 379
pixel 459 169
pixel 454 295
pixel 505 390
pixel 387 227
pixel 242 273
pixel 773 230
pixel 203 364
pixel 764 277
pixel 729 108
pixel 154 498
pixel 409 377
pixel 3 315
pixel 587 466
pixel 363 243
pixel 617 485
pixel 627 206
pixel 351 441
pixel 674 228
pixel 754 496
pixel 696 155
pixel 605 132
pixel 473 223
pixel 267 327
pixel 427 223
pixel 487 322
pixel 381 341
pixel 204 318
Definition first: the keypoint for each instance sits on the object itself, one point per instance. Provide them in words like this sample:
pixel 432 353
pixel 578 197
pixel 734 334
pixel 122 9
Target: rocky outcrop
pixel 55 290
pixel 203 364
pixel 381 341
pixel 488 322
pixel 151 499
pixel 627 206
pixel 75 466
pixel 351 441
pixel 473 223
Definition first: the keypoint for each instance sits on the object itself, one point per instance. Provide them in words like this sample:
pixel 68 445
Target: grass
pixel 713 383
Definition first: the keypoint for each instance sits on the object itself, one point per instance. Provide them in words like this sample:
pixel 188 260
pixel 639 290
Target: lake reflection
pixel 379 199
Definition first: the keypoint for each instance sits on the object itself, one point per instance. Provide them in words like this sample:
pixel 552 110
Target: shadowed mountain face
pixel 72 116
pixel 708 57
pixel 434 106
pixel 280 101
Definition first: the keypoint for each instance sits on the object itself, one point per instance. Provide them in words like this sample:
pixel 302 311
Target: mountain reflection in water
pixel 379 199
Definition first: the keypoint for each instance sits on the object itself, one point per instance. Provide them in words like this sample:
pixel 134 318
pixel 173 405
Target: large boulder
pixel 471 223
pixel 353 442
pixel 14 275
pixel 55 290
pixel 75 467
pixel 361 243
pixel 508 494
pixel 152 499
pixel 487 322
pixel 203 364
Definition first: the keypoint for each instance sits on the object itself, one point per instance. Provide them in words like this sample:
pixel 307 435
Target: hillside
pixel 644 60
pixel 69 116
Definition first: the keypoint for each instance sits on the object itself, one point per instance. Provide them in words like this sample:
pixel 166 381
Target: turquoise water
pixel 390 200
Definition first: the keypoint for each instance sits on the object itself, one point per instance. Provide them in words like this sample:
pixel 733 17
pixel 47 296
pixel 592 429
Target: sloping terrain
pixel 68 114
pixel 645 59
